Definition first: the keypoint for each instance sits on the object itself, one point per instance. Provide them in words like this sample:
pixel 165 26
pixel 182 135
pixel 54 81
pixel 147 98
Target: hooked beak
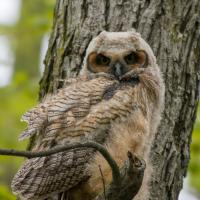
pixel 118 70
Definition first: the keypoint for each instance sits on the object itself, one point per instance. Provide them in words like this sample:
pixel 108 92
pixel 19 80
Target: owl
pixel 116 101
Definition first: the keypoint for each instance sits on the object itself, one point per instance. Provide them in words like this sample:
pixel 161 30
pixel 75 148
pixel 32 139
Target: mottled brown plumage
pixel 116 102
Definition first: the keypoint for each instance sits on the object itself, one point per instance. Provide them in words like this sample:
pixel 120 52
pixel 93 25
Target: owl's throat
pixel 130 79
pixel 123 82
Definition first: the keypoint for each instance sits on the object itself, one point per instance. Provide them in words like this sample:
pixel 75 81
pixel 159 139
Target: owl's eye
pixel 102 60
pixel 131 58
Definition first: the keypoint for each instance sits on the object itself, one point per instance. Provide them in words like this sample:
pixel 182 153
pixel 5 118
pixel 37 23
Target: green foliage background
pixel 194 166
pixel 21 94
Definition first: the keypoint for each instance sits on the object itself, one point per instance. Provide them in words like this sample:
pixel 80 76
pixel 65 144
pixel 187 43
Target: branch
pixel 61 148
pixel 126 182
pixel 131 180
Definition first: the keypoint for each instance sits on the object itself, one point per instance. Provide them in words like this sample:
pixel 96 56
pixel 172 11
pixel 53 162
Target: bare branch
pixel 61 148
pixel 126 182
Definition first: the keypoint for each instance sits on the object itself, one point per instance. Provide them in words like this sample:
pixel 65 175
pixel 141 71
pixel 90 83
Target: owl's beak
pixel 118 70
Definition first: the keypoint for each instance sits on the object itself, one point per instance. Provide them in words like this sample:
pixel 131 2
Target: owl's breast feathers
pixel 82 111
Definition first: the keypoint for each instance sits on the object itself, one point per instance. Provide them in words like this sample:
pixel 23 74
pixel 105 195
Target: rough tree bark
pixel 172 28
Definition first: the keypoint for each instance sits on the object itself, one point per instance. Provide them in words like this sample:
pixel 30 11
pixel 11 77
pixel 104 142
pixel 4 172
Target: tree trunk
pixel 172 28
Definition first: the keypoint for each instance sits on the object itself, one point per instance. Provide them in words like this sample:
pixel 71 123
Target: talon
pixel 130 155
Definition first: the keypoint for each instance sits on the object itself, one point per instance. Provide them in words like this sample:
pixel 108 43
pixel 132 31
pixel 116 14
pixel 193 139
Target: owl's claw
pixel 131 180
pixel 136 163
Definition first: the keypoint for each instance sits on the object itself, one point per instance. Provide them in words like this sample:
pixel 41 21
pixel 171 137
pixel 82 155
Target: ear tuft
pixel 103 33
pixel 134 32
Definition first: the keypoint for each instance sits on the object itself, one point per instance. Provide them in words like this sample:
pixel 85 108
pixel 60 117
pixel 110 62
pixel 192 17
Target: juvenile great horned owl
pixel 116 101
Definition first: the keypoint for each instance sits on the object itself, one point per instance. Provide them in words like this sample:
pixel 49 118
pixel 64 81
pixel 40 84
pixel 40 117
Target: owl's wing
pixel 68 105
pixel 38 179
pixel 101 115
pixel 35 118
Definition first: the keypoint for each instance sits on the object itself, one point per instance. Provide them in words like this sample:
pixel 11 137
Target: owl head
pixel 117 53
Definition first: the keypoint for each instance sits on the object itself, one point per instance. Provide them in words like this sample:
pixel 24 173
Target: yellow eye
pixel 102 60
pixel 131 58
